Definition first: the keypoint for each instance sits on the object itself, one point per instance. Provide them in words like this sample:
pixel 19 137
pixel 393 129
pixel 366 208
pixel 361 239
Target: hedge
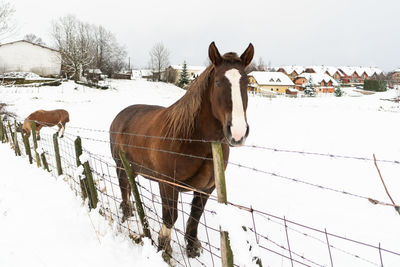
pixel 375 85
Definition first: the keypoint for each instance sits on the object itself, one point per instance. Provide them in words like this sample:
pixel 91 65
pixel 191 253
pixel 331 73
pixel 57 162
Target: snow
pixel 352 126
pixel 42 223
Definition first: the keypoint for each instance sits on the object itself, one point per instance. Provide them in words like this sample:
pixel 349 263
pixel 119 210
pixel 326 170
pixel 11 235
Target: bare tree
pixel 109 56
pixel 159 59
pixel 33 39
pixel 7 23
pixel 72 39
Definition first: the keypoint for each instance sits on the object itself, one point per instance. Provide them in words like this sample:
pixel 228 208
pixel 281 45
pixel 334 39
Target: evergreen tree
pixel 309 89
pixel 184 77
pixel 338 92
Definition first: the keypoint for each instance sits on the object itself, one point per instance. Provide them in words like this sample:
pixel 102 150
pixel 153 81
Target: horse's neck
pixel 207 126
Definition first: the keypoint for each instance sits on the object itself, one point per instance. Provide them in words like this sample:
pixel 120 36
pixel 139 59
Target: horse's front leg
pixel 126 204
pixel 38 132
pixel 169 198
pixel 193 245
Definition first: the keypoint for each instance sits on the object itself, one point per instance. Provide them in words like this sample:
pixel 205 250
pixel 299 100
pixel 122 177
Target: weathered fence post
pixel 44 161
pixel 90 184
pixel 57 154
pixel 220 184
pixel 1 130
pixel 35 146
pixel 87 184
pixel 82 181
pixel 12 141
pixel 136 195
pixel 27 147
pixel 17 149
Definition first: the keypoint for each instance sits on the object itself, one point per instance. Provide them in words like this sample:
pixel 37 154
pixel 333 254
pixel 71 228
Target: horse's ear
pixel 214 54
pixel 247 55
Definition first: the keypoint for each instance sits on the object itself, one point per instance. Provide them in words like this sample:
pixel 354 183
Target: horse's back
pixel 131 121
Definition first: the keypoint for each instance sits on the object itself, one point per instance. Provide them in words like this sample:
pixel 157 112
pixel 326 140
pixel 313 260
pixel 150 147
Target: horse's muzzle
pixel 232 141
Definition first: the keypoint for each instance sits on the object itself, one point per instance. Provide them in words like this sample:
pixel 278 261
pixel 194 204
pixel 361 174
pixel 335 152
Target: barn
pixel 29 57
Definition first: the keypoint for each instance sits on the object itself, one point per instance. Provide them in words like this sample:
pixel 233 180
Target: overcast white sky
pixel 284 32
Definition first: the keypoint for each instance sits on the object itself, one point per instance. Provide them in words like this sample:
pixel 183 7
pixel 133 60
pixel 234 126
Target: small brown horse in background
pixel 47 118
pixel 213 108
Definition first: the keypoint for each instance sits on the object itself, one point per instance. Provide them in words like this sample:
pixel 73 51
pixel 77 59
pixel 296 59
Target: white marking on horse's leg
pixel 239 125
pixel 62 130
pixel 165 233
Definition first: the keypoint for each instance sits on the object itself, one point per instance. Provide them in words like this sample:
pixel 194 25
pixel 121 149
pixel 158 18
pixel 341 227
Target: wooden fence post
pixel 5 134
pixel 220 184
pixel 27 147
pixel 1 130
pixel 136 195
pixel 90 184
pixel 87 183
pixel 44 161
pixel 57 154
pixel 16 143
pixel 12 141
pixel 35 146
pixel 82 181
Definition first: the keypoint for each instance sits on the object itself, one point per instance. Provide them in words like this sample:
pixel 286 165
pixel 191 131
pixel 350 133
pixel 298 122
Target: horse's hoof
pixel 164 244
pixel 61 136
pixel 127 210
pixel 193 248
pixel 37 138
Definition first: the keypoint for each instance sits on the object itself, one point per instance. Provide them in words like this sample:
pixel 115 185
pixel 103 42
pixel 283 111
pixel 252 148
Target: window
pixel 271 80
pixel 279 80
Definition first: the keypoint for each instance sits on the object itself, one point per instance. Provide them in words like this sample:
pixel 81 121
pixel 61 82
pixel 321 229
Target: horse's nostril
pixel 228 130
pixel 247 131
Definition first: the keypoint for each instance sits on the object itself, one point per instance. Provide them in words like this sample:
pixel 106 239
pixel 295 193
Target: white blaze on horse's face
pixel 238 127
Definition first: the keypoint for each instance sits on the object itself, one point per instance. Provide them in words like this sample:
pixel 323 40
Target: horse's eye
pixel 218 83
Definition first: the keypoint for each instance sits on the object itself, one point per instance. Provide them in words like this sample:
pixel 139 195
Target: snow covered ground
pixel 352 126
pixel 43 224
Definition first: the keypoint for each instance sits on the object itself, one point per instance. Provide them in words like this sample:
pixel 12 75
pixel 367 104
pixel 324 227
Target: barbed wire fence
pixel 262 238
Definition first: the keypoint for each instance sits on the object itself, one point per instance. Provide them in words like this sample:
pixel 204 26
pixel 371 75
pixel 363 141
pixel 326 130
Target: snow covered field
pixel 351 126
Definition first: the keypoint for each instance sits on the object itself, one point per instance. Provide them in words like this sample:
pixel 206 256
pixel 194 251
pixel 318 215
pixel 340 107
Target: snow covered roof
pixel 398 70
pixel 360 70
pixel 24 41
pixel 270 78
pixel 317 78
pixel 290 69
pixel 324 69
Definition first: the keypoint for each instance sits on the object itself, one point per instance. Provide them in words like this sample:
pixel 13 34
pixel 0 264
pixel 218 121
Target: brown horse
pixel 213 108
pixel 48 118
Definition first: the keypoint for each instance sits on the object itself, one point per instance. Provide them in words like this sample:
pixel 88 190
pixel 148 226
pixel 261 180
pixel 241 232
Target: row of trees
pixel 86 46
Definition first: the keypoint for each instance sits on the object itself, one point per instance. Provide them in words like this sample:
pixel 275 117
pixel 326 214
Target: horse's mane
pixel 180 117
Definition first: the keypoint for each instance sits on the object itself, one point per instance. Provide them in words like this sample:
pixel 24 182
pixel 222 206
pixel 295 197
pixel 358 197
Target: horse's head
pixel 228 94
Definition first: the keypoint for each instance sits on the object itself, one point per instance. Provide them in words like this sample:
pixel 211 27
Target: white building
pixel 29 57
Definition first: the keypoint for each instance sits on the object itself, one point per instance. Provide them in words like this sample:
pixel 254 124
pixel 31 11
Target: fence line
pixel 108 189
pixel 291 179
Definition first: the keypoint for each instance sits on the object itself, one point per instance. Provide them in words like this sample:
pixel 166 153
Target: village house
pixel 173 73
pixel 357 75
pixel 323 83
pixel 393 78
pixel 269 82
pixel 24 56
pixel 329 70
pixel 292 71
